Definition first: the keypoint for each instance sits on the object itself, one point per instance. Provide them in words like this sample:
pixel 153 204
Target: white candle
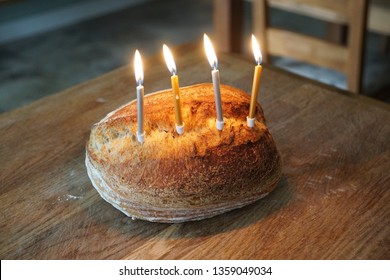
pixel 217 95
pixel 212 58
pixel 139 78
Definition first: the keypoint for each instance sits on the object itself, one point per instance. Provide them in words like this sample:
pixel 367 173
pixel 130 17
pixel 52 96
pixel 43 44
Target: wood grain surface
pixel 332 203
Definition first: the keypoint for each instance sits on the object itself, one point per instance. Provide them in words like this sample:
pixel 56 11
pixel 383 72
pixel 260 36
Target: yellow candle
pixel 175 89
pixel 256 83
pixel 176 97
pixel 255 91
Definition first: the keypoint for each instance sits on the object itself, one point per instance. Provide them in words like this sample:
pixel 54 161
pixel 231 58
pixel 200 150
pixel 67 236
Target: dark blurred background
pixel 47 46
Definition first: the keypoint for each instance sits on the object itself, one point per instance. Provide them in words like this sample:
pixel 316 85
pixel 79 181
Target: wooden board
pixel 332 203
pixel 306 48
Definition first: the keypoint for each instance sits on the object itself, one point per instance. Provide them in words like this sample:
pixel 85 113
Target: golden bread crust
pixel 176 178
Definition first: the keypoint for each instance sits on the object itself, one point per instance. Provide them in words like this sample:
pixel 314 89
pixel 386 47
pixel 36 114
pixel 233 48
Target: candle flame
pixel 169 60
pixel 138 69
pixel 256 50
pixel 211 56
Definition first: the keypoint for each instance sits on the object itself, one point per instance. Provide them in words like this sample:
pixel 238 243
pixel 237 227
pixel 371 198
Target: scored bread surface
pixel 177 178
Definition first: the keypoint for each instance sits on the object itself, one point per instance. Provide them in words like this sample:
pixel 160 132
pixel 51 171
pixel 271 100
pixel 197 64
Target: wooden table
pixel 332 203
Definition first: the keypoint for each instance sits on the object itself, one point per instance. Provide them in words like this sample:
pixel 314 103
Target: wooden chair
pixel 378 21
pixel 379 17
pixel 344 58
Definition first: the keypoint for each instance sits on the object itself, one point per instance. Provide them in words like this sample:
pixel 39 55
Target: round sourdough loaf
pixel 176 178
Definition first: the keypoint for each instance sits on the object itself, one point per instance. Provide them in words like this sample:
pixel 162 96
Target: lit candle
pixel 211 56
pixel 175 88
pixel 139 78
pixel 256 82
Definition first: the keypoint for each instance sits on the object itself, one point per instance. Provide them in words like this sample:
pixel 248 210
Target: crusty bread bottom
pixel 164 215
